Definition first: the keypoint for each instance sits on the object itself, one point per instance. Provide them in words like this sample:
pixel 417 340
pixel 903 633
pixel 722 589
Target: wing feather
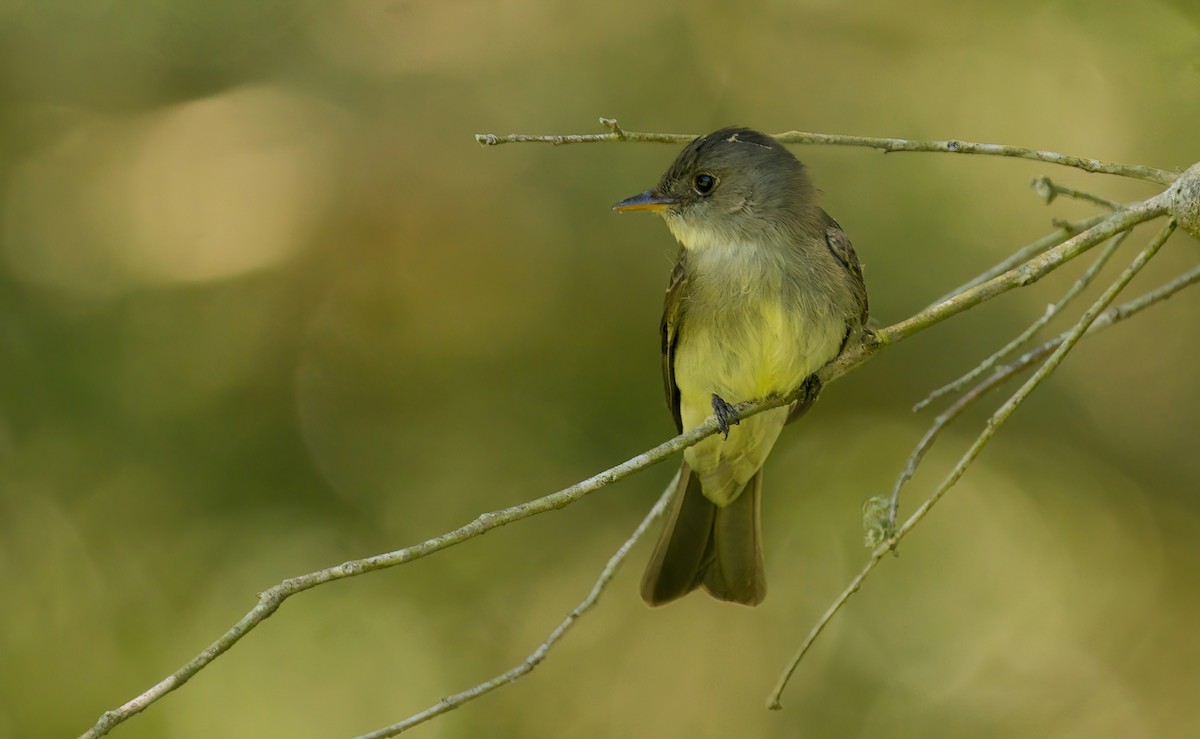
pixel 672 313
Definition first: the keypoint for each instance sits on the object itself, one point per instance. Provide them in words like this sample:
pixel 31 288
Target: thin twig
pixel 1125 310
pixel 1028 272
pixel 1048 190
pixel 1002 374
pixel 270 600
pixel 996 420
pixel 1051 311
pixel 1063 232
pixel 1007 372
pixel 450 702
pixel 887 145
pixel 956 409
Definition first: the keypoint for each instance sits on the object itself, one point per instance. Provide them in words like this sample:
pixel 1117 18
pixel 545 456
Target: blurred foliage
pixel 265 305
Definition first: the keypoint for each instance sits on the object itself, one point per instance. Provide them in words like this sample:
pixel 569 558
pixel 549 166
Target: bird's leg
pixel 726 414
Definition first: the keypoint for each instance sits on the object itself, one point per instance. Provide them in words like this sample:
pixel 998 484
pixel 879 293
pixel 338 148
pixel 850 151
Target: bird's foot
pixel 726 414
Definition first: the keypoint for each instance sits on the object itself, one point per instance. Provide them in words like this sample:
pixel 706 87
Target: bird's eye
pixel 704 183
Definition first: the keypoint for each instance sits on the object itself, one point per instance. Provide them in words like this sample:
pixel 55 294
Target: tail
pixel 702 544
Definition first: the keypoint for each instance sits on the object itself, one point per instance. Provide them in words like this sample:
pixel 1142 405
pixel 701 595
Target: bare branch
pixel 270 600
pixel 886 145
pixel 1019 276
pixel 1024 254
pixel 1048 190
pixel 450 702
pixel 1051 311
pixel 997 419
pixel 1008 371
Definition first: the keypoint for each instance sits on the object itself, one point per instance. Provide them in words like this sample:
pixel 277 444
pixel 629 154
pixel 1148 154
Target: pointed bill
pixel 649 200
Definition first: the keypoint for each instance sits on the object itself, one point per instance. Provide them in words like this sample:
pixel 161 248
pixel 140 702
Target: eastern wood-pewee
pixel 766 290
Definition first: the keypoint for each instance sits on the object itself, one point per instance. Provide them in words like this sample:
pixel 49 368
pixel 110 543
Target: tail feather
pixel 677 566
pixel 703 544
pixel 737 573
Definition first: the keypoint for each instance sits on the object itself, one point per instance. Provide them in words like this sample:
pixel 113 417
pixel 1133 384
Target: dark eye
pixel 704 183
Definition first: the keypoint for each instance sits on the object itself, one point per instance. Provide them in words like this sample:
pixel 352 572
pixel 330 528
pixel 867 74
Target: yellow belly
pixel 744 355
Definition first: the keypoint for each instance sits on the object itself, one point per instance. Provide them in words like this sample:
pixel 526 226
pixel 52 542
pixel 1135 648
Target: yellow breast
pixel 750 353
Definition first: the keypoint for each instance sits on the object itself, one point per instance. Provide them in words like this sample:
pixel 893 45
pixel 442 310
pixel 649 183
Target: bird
pixel 766 290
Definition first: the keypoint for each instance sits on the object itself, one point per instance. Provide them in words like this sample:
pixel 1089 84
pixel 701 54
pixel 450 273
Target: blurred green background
pixel 265 305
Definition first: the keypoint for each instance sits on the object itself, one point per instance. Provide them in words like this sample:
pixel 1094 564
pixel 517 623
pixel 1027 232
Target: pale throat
pixel 706 242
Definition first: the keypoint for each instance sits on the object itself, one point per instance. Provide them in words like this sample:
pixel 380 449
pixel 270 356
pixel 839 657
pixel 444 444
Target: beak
pixel 649 200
